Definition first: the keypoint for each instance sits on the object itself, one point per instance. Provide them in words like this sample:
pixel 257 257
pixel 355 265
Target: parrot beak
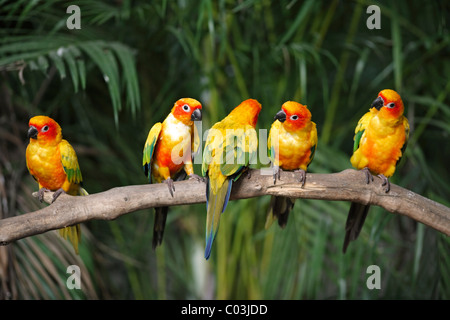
pixel 196 115
pixel 280 116
pixel 32 132
pixel 378 103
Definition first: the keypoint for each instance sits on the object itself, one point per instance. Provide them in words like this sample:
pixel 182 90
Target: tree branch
pixel 348 185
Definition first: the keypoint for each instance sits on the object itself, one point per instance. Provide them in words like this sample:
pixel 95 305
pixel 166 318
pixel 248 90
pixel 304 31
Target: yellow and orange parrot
pixel 291 145
pixel 231 145
pixel 169 148
pixel 53 163
pixel 380 140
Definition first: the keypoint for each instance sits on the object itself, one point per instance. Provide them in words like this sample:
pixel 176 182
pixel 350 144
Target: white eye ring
pixel 391 105
pixel 294 117
pixel 186 108
pixel 44 129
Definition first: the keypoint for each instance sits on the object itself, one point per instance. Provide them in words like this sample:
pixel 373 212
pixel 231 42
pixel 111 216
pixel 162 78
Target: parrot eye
pixel 44 129
pixel 294 117
pixel 186 108
pixel 391 105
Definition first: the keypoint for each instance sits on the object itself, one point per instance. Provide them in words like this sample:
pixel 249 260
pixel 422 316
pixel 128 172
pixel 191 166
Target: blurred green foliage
pixel 110 81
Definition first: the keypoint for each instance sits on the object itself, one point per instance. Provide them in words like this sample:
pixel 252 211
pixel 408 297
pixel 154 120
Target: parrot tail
pixel 159 225
pixel 216 204
pixel 73 234
pixel 355 221
pixel 279 208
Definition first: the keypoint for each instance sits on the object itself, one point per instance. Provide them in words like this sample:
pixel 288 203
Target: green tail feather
pixel 216 206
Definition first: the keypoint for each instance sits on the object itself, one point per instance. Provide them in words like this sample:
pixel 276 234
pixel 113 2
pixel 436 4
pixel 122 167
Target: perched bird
pixel 53 163
pixel 168 150
pixel 231 145
pixel 291 145
pixel 380 140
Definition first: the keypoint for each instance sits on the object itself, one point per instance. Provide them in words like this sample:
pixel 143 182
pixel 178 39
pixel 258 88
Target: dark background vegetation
pixel 109 82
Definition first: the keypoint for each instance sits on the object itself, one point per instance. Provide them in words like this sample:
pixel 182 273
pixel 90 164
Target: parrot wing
pixel 240 150
pixel 70 162
pixel 209 152
pixel 196 141
pixel 313 140
pixel 149 148
pixel 360 128
pixel 272 141
pixel 406 125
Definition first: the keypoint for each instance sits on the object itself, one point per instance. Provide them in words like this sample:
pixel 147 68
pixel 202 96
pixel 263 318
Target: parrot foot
pixel 57 193
pixel 369 176
pixel 41 193
pixel 385 182
pixel 171 186
pixel 276 173
pixel 196 178
pixel 302 176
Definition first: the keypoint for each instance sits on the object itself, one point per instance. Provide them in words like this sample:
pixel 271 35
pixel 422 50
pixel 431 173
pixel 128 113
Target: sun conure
pixel 168 153
pixel 291 145
pixel 380 140
pixel 231 145
pixel 53 163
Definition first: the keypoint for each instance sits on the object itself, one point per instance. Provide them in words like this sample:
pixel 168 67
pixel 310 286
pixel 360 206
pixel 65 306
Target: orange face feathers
pixel 187 110
pixel 44 129
pixel 293 115
pixel 389 103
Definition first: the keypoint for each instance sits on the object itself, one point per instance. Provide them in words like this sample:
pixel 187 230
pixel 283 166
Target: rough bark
pixel 348 185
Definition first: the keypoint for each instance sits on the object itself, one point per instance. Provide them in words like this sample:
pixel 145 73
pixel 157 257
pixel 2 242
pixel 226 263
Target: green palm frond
pixel 70 56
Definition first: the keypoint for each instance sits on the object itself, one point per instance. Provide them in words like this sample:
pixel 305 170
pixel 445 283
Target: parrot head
pixel 44 130
pixel 293 115
pixel 247 112
pixel 389 104
pixel 187 110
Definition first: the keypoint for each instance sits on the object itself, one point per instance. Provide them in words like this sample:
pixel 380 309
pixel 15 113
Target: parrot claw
pixel 171 186
pixel 385 182
pixel 369 176
pixel 57 193
pixel 41 193
pixel 302 176
pixel 196 177
pixel 276 173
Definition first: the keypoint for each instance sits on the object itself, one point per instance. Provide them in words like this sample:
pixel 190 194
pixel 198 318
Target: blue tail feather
pixel 209 242
pixel 227 197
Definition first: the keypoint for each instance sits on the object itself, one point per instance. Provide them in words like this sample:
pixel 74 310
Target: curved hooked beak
pixel 32 132
pixel 196 115
pixel 280 116
pixel 378 103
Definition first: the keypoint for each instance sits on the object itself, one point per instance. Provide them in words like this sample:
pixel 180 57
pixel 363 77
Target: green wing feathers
pixel 240 150
pixel 70 162
pixel 149 148
pixel 360 128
